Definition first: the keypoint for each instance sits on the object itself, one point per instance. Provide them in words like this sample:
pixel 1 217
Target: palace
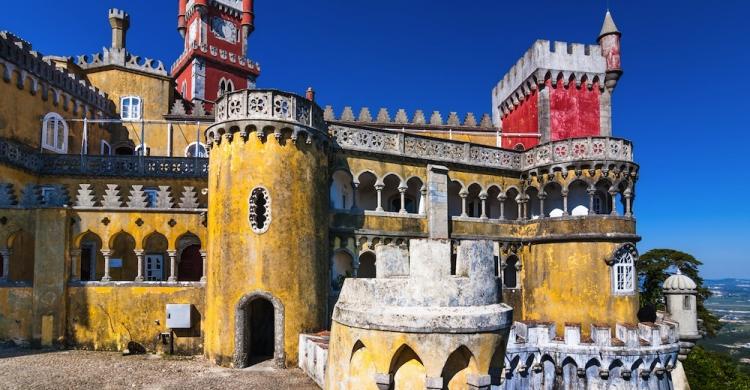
pixel 185 210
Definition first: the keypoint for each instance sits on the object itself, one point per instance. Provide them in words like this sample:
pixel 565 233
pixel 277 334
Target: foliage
pixel 707 370
pixel 653 270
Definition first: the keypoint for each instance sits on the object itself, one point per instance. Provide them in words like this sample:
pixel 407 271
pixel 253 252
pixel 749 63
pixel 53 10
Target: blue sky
pixel 683 99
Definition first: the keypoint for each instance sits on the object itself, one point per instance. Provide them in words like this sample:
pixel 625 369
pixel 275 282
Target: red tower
pixel 559 90
pixel 214 60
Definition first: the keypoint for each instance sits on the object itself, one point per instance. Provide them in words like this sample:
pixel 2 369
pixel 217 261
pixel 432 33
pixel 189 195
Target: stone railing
pixel 553 153
pixel 269 105
pixel 125 166
pixel 419 119
pixel 29 159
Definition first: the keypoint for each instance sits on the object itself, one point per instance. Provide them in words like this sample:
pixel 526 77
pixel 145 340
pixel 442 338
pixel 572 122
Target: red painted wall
pixel 524 119
pixel 574 112
pixel 214 74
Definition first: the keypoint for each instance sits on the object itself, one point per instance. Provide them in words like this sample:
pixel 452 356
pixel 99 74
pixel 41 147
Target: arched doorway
pixel 259 333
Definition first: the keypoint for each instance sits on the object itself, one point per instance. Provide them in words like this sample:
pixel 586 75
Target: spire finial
pixel 608 27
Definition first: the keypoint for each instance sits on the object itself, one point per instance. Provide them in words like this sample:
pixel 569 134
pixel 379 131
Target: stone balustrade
pixel 550 154
pixel 270 105
pixel 29 159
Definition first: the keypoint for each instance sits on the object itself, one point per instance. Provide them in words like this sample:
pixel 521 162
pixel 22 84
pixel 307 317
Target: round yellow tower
pixel 267 227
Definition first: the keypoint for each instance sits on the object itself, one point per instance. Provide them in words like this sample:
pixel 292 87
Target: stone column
pixel 379 189
pixel 612 203
pixel 502 198
pixel 355 186
pixel 204 257
pixel 463 194
pixel 402 192
pixel 107 254
pixel 383 381
pixel 483 198
pixel 422 198
pixel 565 202
pixel 524 208
pixel 479 382
pixel 519 203
pixel 172 266
pixel 628 202
pixel 542 197
pixel 75 265
pixel 436 196
pixel 139 253
pixel 432 383
pixel 5 258
pixel 592 192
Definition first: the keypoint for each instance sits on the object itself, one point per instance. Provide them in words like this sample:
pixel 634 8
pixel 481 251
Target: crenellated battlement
pixel 122 58
pixel 218 54
pixel 231 7
pixel 18 57
pixel 115 13
pixel 418 119
pixel 664 332
pixel 545 60
pixel 637 356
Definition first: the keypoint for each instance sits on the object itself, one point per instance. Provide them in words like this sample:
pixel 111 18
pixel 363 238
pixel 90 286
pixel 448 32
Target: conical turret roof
pixel 609 26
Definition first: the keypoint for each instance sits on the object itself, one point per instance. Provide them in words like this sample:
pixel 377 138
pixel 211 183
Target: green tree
pixel 714 371
pixel 654 268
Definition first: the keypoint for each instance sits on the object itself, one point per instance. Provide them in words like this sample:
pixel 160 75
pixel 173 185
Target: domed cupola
pixel 679 284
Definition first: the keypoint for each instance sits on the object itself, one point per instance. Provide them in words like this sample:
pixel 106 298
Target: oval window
pixel 260 210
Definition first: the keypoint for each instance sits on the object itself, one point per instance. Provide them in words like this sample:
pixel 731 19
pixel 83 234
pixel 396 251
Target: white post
pixel 204 257
pixel 379 189
pixel 483 198
pixel 107 254
pixel 172 266
pixel 139 255
pixel 402 191
pixel 463 194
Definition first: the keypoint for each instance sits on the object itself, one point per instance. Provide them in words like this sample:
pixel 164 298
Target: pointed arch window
pixel 55 133
pixel 623 269
pixel 225 86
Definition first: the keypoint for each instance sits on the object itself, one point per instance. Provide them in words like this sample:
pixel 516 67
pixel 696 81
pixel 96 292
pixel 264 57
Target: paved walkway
pixel 35 369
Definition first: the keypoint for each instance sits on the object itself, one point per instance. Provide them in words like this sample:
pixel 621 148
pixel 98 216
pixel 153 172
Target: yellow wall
pixel 289 260
pixel 108 317
pixel 156 93
pixel 15 313
pixel 570 282
pixel 21 114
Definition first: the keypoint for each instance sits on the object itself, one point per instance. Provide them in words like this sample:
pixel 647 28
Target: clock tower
pixel 214 60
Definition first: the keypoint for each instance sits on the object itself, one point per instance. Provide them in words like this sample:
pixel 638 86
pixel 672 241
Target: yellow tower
pixel 268 231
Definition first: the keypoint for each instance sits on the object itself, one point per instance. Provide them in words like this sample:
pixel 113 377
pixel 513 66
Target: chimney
pixel 310 94
pixel 120 22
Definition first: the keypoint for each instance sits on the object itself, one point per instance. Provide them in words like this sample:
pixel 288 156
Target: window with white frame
pixel 196 149
pixel 130 108
pixel 225 86
pixel 47 193
pixel 623 270
pixel 138 151
pixel 152 195
pixel 106 149
pixel 55 133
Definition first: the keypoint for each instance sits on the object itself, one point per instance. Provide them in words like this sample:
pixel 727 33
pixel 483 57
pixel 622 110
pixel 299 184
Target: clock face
pixel 224 29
